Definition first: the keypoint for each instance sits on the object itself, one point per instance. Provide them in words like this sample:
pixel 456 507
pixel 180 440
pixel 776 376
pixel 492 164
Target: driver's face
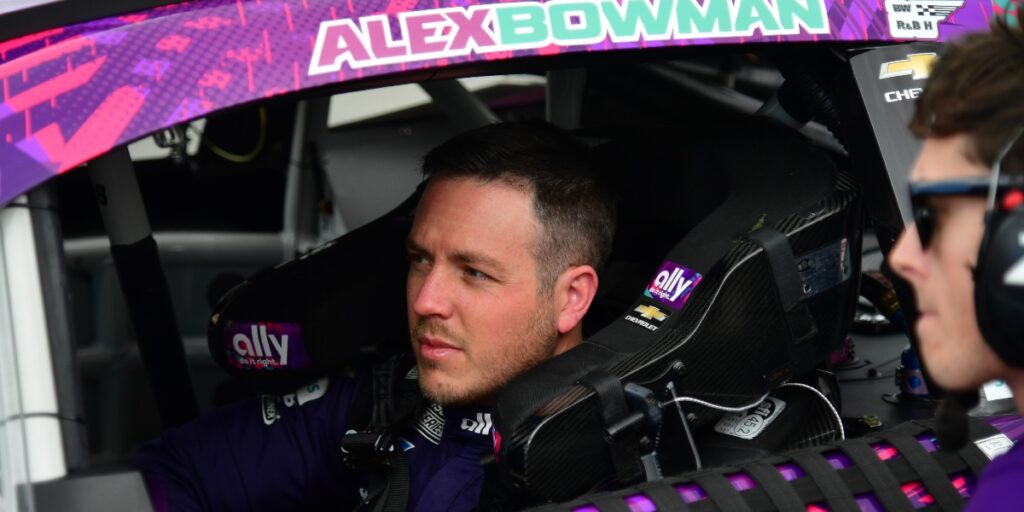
pixel 476 316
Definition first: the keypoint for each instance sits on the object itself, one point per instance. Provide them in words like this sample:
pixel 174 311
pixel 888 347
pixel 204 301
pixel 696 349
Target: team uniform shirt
pixel 283 453
pixel 1001 486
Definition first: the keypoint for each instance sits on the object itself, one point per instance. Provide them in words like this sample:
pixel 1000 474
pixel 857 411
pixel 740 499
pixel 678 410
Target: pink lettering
pixel 340 41
pixel 470 27
pixel 381 44
pixel 423 32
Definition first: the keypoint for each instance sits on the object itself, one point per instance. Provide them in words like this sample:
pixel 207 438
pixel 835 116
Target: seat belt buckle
pixel 367 448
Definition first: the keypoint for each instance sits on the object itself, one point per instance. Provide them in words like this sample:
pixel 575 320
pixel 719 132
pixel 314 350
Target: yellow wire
pixel 248 157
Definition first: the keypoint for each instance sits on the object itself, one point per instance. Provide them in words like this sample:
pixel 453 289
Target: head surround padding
pixel 999 284
pixel 336 303
pixel 767 166
pixel 729 335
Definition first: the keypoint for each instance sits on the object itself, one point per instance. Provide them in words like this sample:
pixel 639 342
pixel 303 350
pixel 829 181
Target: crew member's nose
pixel 430 295
pixel 907 259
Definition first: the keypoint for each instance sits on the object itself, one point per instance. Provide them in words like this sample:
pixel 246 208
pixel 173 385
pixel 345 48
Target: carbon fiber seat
pixel 757 291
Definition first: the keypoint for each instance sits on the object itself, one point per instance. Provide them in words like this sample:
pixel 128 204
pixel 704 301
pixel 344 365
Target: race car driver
pixel 970 116
pixel 503 254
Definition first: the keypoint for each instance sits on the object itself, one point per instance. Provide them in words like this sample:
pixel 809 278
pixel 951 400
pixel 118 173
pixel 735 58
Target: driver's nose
pixel 429 294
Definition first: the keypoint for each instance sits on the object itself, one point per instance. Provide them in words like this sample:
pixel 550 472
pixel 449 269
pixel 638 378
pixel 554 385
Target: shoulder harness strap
pixel 396 403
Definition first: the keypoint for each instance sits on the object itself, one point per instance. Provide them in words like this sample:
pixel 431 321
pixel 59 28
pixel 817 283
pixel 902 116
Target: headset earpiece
pixel 999 281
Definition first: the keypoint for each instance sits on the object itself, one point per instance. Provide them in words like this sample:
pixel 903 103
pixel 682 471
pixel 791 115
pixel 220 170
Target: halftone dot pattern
pixel 187 60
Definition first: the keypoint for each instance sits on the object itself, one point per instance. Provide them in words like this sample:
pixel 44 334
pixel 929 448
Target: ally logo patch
pixel 673 284
pixel 481 425
pixel 265 346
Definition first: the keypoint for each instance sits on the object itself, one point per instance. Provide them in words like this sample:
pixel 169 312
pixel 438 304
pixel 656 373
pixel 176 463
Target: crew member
pixel 971 116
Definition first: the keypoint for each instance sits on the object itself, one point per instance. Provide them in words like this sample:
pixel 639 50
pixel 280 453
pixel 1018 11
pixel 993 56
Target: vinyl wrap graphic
pixel 73 93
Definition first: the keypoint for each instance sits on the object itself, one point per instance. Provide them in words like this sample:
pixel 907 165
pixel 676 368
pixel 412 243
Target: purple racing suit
pixel 283 453
pixel 1000 485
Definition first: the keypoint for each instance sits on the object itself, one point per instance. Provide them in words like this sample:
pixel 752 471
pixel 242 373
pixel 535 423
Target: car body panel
pixel 73 93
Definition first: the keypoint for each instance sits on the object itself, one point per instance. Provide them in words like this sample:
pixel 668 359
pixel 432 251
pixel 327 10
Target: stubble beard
pixel 486 378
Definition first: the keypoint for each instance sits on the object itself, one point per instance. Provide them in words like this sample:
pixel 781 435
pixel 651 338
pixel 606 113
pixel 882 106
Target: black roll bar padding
pixel 163 355
pixel 137 262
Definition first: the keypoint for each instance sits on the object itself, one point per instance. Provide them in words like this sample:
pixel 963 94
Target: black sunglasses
pixel 995 186
pixel 921 192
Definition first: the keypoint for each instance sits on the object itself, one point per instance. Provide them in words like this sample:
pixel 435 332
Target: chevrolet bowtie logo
pixel 651 312
pixel 916 64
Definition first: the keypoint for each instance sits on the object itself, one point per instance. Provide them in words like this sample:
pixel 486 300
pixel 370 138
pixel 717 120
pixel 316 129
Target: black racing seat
pixel 760 288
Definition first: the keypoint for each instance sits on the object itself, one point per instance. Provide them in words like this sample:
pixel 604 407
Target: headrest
pixel 759 290
pixel 288 325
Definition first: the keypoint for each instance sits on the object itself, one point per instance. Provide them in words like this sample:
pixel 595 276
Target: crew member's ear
pixel 574 292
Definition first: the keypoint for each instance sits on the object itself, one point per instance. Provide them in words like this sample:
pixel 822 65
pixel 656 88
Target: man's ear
pixel 574 292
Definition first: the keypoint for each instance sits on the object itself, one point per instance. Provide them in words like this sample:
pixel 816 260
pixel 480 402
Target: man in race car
pixel 503 254
pixel 970 116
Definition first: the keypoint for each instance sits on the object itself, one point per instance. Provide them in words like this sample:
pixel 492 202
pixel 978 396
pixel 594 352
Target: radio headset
pixel 999 275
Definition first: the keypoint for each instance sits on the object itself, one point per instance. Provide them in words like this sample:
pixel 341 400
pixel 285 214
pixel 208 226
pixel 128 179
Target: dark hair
pixel 977 87
pixel 575 209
